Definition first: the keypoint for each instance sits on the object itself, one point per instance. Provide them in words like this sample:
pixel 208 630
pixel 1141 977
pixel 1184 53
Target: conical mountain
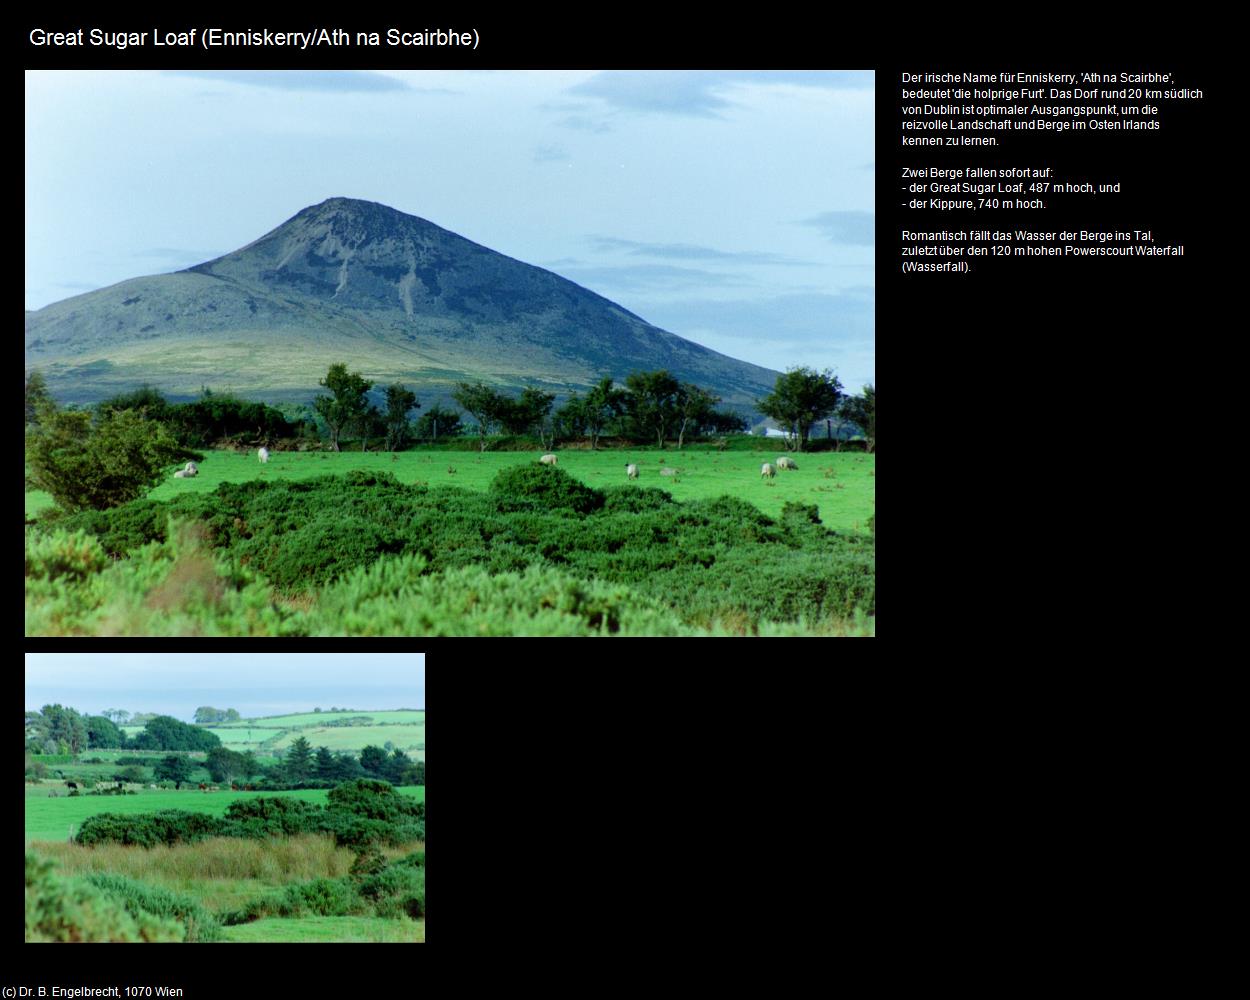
pixel 390 294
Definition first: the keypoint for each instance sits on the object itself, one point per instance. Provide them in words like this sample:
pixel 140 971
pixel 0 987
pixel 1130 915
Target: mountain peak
pixel 399 296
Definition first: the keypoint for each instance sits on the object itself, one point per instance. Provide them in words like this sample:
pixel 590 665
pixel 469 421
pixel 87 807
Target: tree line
pixel 55 729
pixel 101 458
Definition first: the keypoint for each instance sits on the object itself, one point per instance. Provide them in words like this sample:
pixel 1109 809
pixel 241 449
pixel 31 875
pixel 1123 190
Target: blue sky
pixel 254 683
pixel 733 208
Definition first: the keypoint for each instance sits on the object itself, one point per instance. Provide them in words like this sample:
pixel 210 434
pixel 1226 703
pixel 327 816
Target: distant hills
pixel 392 295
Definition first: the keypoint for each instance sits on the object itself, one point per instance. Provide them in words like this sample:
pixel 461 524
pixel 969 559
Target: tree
pixel 862 411
pixel 63 728
pixel 224 765
pixel 173 768
pixel 399 401
pixel 327 766
pixel 102 733
pixel 694 407
pixel 347 405
pixel 167 733
pixel 726 422
pixel 652 401
pixel 373 760
pixel 527 413
pixel 117 715
pixel 38 399
pixel 251 766
pixel 436 421
pixel 94 467
pixel 298 763
pixel 483 404
pixel 604 404
pixel 369 425
pixel 800 398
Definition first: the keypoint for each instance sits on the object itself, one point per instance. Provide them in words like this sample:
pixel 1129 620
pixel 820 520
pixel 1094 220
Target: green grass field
pixel 51 819
pixel 841 485
pixel 358 737
pixel 321 718
pixel 338 929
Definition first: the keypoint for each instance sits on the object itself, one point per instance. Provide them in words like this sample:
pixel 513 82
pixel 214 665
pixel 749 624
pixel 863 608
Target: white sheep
pixel 187 471
pixel 548 460
pixel 263 455
pixel 767 471
pixel 786 462
pixel 631 471
pixel 668 472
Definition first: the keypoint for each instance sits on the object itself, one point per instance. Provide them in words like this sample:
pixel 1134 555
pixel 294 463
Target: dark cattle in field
pixel 203 787
pixel 71 784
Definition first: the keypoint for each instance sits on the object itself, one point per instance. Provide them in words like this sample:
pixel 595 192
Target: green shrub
pixel 533 486
pixel 141 900
pixel 635 499
pixel 267 817
pixel 368 861
pixel 60 909
pixel 321 897
pixel 64 554
pixel 802 512
pixel 169 826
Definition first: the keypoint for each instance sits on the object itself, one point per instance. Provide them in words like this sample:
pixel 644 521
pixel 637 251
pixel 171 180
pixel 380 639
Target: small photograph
pixel 446 353
pixel 225 797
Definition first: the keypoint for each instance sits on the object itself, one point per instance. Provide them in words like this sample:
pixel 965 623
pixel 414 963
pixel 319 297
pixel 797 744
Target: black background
pixel 594 801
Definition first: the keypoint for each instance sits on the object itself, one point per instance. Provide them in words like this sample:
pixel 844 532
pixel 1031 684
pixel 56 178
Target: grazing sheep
pixel 187 471
pixel 263 455
pixel 668 472
pixel 767 471
pixel 548 460
pixel 786 462
pixel 631 471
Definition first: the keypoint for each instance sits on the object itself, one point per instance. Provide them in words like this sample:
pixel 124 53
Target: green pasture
pixel 335 929
pixel 51 819
pixel 356 737
pixel 321 718
pixel 840 484
pixel 243 735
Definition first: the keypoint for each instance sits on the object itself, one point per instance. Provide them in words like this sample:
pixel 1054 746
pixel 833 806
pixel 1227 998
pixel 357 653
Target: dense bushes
pixel 709 563
pixel 358 813
pixel 148 902
pixel 533 486
pixel 266 817
pixel 61 909
pixel 169 826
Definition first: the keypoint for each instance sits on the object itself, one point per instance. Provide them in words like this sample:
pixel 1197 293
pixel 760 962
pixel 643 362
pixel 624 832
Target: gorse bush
pixel 61 909
pixel 64 554
pixel 141 900
pixel 534 486
pixel 169 826
pixel 539 554
pixel 358 813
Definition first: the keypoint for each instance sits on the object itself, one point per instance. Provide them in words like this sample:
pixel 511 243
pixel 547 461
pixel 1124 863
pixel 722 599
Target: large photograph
pixel 450 353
